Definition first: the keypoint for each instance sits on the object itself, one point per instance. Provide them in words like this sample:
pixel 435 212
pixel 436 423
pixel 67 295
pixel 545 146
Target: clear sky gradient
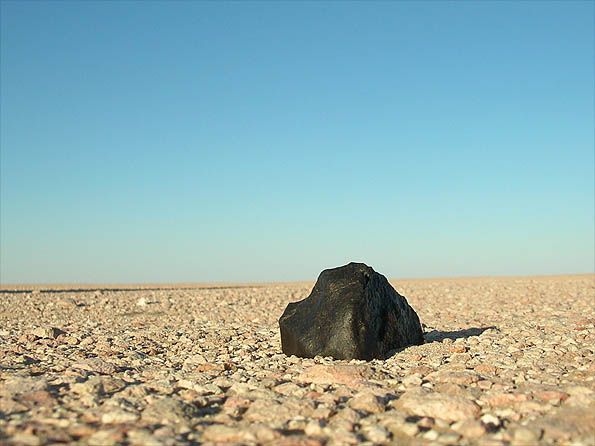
pixel 240 141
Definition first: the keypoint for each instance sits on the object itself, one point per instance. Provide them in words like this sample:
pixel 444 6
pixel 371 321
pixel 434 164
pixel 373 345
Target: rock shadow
pixel 439 336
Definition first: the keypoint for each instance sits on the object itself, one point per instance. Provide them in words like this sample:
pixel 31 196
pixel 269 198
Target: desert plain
pixel 506 361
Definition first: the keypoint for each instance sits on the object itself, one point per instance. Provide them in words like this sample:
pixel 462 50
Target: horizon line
pixel 148 286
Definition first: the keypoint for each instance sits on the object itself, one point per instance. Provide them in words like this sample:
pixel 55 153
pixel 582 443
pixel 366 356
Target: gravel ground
pixel 506 361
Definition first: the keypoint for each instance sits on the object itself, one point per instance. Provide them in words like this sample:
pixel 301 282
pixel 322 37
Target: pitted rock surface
pixel 352 313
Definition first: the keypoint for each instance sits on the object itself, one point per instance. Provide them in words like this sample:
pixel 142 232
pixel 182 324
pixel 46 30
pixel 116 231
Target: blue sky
pixel 263 141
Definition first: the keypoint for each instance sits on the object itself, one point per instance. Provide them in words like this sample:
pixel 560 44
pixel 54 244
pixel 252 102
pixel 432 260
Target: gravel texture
pixel 507 361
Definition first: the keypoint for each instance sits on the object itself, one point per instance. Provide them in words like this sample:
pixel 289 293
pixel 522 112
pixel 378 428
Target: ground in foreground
pixel 506 361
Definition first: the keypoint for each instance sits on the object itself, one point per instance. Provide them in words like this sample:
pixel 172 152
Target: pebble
pixel 437 405
pixel 349 375
pixel 314 428
pixel 462 377
pixel 26 439
pixel 118 417
pixel 366 402
pixel 490 420
pixel 430 435
pixel 167 411
pixel 376 434
pixel 409 429
pixel 412 380
pixel 143 437
pixel 227 434
pixel 105 438
pixel 47 332
pixel 469 428
pixel 97 365
pixel 524 435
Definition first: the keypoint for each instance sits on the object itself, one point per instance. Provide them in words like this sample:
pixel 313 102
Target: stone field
pixel 506 361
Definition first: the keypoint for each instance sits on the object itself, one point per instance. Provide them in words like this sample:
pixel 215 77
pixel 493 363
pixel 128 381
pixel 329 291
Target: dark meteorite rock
pixel 352 313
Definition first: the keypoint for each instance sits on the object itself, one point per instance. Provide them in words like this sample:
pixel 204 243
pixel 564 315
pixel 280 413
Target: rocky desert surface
pixel 506 361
